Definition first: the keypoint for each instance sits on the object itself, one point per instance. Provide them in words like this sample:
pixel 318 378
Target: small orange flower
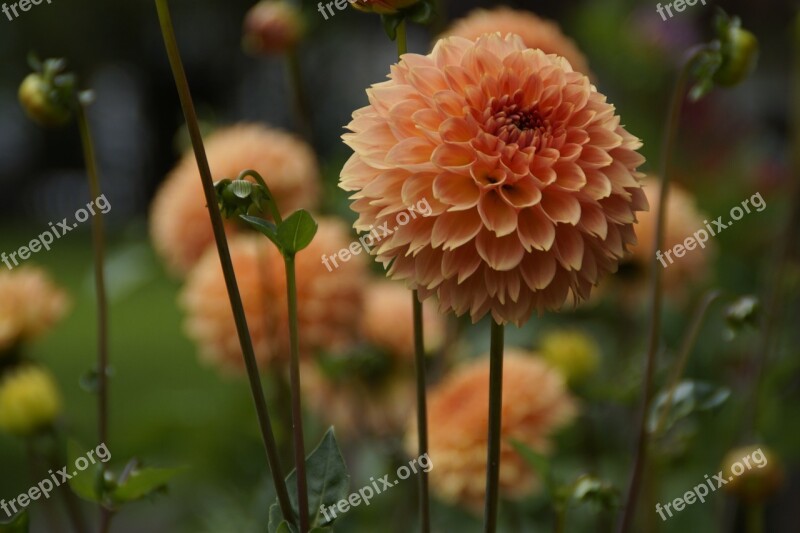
pixel 179 223
pixel 388 320
pixel 535 32
pixel 272 27
pixel 529 174
pixel 535 404
pixel 329 303
pixel 30 304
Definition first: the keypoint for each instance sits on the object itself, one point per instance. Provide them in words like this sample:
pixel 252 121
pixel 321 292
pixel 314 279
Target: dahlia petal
pixel 410 152
pixel 500 253
pixel 456 130
pixel 456 190
pixel 427 80
pixel 497 215
pixel 594 157
pixel 560 206
pixel 452 156
pixel 522 193
pixel 538 270
pixel 570 176
pixel 535 230
pixel 460 263
pixel 569 247
pixel 455 228
pixel 593 220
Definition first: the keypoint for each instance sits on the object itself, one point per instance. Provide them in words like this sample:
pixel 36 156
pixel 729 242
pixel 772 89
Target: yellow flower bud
pixel 272 27
pixel 39 100
pixel 739 56
pixel 753 473
pixel 575 354
pixel 29 400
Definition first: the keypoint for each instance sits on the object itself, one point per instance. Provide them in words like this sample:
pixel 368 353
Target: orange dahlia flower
pixel 179 222
pixel 30 304
pixel 536 32
pixel 530 178
pixel 535 404
pixel 329 302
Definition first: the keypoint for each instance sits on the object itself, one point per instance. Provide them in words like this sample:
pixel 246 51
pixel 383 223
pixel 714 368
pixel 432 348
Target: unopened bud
pixel 272 27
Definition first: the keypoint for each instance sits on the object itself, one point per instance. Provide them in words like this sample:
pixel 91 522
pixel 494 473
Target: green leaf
pixel 689 397
pixel 276 521
pixel 87 484
pixel 328 480
pixel 422 12
pixel 391 23
pixel 297 231
pixel 18 524
pixel 264 226
pixel 142 483
pixel 286 527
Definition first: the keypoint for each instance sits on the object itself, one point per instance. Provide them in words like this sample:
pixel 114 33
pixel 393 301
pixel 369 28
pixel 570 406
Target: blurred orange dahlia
pixel 30 304
pixel 535 404
pixel 179 223
pixel 388 320
pixel 329 303
pixel 536 32
pixel 683 219
pixel 530 177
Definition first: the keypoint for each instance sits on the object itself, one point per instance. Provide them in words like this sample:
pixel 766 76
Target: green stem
pixel 495 419
pixel 301 109
pixel 240 318
pixel 686 349
pixel 656 292
pixel 297 412
pixel 98 244
pixel 754 516
pixel 422 412
pixel 271 203
pixel 402 39
pixel 560 519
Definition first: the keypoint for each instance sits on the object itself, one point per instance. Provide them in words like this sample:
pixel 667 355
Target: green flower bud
pixel 41 101
pixel 739 50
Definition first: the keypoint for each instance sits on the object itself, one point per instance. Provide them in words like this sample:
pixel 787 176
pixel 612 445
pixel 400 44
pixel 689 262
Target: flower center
pixel 512 123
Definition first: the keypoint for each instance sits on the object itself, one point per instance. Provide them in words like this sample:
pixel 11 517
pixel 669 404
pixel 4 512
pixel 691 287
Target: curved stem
pixel 422 412
pixel 240 318
pixel 495 419
pixel 656 292
pixel 98 244
pixel 271 204
pixel 686 349
pixel 297 412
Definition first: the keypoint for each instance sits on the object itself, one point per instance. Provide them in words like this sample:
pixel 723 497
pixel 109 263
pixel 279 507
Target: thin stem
pixel 560 521
pixel 33 468
pixel 422 412
pixel 656 293
pixel 271 204
pixel 301 108
pixel 686 349
pixel 754 517
pixel 98 244
pixel 495 419
pixel 71 502
pixel 402 39
pixel 297 412
pixel 240 318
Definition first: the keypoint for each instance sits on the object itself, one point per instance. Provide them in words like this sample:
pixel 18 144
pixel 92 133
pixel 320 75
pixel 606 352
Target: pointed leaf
pixel 264 226
pixel 142 483
pixel 328 480
pixel 88 483
pixel 297 231
pixel 689 397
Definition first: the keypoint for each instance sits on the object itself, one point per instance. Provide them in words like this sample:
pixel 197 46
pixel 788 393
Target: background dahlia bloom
pixel 179 222
pixel 272 27
pixel 683 220
pixel 535 404
pixel 388 320
pixel 329 303
pixel 535 32
pixel 30 304
pixel 530 177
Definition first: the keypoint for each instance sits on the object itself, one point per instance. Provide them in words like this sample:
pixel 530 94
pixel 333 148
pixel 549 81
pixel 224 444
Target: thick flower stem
pixel 656 293
pixel 402 39
pixel 98 244
pixel 297 411
pixel 495 419
pixel 422 412
pixel 240 318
